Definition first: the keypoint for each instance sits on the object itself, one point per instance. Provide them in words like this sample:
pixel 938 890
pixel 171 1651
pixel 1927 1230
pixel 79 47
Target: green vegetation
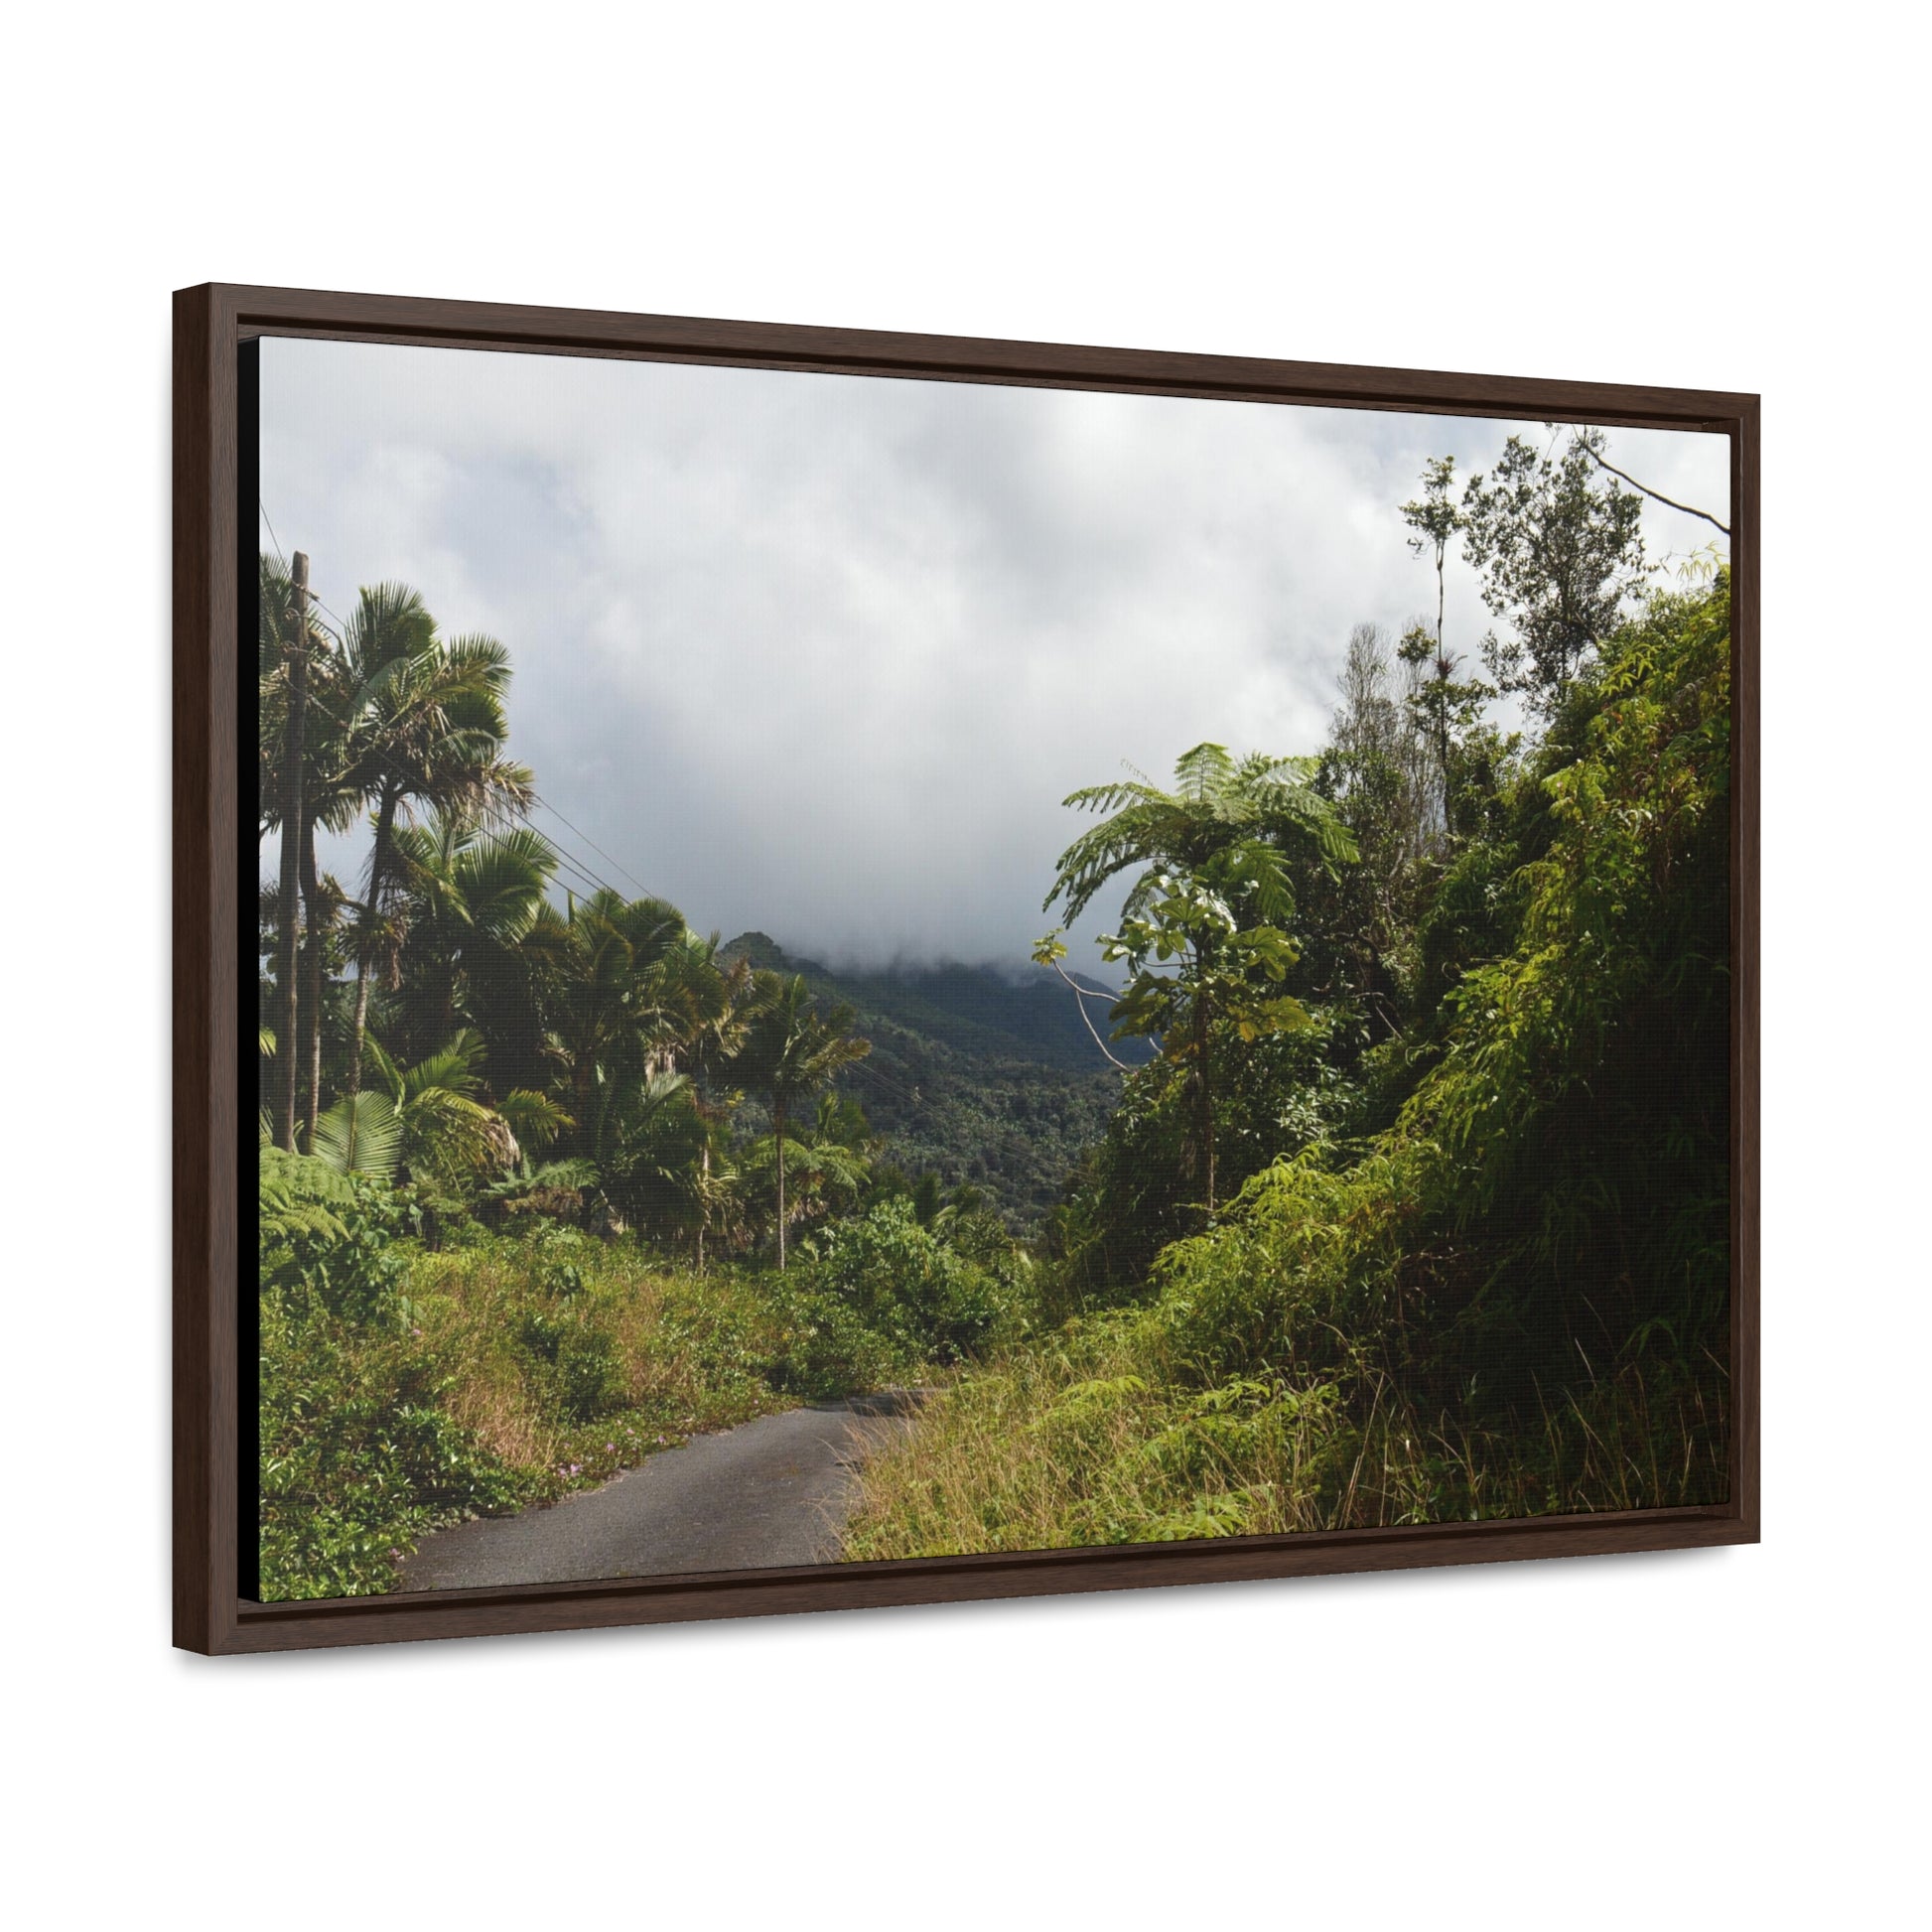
pixel 526 1154
pixel 1405 1198
pixel 1478 1260
pixel 982 1077
pixel 405 1388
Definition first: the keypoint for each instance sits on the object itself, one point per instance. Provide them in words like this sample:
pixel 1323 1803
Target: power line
pixel 597 849
pixel 500 815
pixel 884 1083
pixel 338 615
pixel 584 879
pixel 570 864
pixel 328 628
pixel 581 868
pixel 313 598
pixel 574 862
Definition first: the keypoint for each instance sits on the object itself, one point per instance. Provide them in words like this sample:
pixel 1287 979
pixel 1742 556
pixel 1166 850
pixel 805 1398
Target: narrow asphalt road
pixel 767 1494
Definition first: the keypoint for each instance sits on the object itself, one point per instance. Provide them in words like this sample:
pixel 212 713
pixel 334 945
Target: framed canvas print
pixel 839 968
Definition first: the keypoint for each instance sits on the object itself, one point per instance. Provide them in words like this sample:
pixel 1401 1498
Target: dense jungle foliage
pixel 1470 1102
pixel 1406 1197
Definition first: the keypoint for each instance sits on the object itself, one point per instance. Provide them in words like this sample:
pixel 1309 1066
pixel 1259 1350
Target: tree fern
pixel 1254 813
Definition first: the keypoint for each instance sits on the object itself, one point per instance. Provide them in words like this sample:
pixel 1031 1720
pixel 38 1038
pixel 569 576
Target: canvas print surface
pixel 854 968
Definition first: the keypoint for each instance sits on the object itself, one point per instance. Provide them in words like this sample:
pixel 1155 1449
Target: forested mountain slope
pixel 983 1076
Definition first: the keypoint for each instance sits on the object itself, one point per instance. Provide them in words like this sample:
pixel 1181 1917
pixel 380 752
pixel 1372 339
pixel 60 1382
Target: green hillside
pixel 976 1074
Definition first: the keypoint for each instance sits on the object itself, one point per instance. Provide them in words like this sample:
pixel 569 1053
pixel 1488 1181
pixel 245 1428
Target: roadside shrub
pixel 825 1348
pixel 326 1239
pixel 586 1373
pixel 356 1460
pixel 908 1286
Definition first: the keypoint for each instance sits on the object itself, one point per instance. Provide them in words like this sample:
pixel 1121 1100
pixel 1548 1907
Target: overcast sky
pixel 822 654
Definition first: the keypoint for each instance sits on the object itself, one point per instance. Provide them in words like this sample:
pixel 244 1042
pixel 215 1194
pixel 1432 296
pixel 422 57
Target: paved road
pixel 770 1493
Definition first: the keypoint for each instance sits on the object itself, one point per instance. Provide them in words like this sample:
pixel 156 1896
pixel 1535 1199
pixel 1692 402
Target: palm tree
pixel 826 1164
pixel 1227 830
pixel 333 787
pixel 430 1114
pixel 646 1140
pixel 791 1050
pixel 289 659
pixel 427 727
pixel 706 1000
pixel 468 896
pixel 396 717
pixel 604 995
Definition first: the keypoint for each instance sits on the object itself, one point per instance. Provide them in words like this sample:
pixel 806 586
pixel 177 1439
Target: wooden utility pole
pixel 297 655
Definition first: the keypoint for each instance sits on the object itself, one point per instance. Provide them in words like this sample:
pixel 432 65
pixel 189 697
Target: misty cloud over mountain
pixel 821 655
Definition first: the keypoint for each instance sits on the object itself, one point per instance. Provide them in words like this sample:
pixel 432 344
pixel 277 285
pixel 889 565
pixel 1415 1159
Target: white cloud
pixel 821 654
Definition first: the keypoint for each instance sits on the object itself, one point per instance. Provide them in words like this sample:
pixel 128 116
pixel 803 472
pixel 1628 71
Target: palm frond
pixel 360 1134
pixel 534 1118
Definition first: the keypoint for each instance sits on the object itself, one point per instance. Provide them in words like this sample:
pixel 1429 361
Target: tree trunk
pixel 287 948
pixel 704 1197
pixel 779 1132
pixel 358 1030
pixel 313 965
pixel 582 1070
pixel 385 817
pixel 445 1008
pixel 287 1008
pixel 1441 697
pixel 1207 1095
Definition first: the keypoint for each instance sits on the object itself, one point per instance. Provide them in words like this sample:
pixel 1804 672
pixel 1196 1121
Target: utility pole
pixel 298 663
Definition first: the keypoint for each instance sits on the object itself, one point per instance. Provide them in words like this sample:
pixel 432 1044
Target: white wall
pixel 1669 193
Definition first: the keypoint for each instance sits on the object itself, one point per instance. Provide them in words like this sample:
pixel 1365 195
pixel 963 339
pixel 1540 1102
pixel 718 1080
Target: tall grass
pixel 548 1350
pixel 1089 1441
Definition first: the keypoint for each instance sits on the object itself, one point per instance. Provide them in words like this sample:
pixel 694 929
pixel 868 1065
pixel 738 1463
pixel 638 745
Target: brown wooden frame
pixel 211 323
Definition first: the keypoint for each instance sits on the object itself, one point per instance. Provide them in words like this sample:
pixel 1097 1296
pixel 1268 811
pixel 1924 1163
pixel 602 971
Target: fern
pixel 1249 815
pixel 297 1197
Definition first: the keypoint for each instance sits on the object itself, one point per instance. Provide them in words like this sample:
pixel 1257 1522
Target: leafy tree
pixel 1441 702
pixel 1377 769
pixel 1262 809
pixel 929 1196
pixel 1444 706
pixel 907 1284
pixel 1436 521
pixel 1560 556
